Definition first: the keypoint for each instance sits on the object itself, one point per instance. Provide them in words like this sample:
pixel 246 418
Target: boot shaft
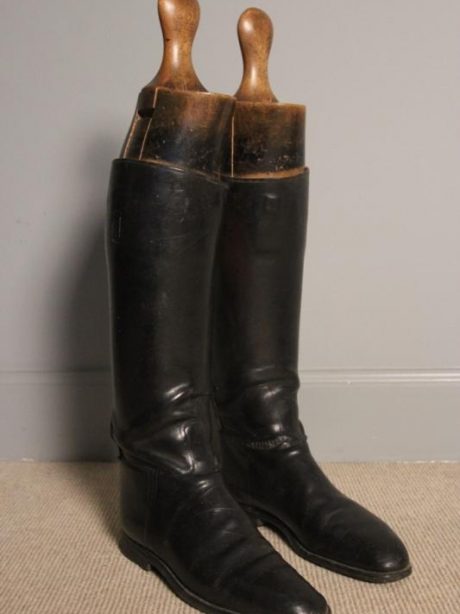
pixel 161 246
pixel 164 211
pixel 257 315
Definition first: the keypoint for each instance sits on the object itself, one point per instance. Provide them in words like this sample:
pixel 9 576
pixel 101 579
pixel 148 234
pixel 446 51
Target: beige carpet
pixel 58 551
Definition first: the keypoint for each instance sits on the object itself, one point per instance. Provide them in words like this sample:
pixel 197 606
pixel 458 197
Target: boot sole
pixel 148 561
pixel 373 577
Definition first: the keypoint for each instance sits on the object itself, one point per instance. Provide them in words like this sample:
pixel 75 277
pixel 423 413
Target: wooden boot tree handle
pixel 179 22
pixel 255 33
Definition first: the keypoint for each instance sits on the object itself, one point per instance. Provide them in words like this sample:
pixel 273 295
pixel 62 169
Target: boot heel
pixel 134 553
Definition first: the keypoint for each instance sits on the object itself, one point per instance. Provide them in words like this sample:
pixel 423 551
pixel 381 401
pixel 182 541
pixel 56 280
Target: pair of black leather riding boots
pixel 208 213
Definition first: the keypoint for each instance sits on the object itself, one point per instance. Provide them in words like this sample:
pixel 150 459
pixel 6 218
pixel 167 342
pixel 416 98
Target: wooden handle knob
pixel 179 22
pixel 255 32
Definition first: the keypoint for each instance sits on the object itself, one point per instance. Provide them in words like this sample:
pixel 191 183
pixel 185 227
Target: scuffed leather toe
pixel 271 585
pixel 392 557
pixel 296 596
pixel 319 607
pixel 355 542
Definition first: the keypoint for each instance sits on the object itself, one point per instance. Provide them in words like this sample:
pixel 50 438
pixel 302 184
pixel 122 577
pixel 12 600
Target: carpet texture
pixel 59 525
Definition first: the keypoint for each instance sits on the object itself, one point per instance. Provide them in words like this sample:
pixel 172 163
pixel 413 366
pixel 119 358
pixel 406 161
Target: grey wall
pixel 380 351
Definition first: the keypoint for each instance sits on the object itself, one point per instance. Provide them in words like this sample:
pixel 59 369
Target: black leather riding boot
pixel 266 459
pixel 178 518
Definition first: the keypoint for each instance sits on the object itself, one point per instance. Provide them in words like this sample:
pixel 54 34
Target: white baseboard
pixel 382 415
pixel 349 415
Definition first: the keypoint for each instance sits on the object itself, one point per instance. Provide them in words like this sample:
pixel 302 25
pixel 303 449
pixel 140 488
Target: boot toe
pixel 301 598
pixel 281 590
pixel 382 551
pixel 366 546
pixel 318 605
pixel 391 558
pixel 311 604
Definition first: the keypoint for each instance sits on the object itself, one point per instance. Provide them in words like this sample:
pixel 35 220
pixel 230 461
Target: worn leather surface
pixel 161 246
pixel 182 128
pixel 196 527
pixel 258 294
pixel 266 459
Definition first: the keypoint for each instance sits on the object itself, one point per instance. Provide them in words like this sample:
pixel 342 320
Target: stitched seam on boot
pixel 265 444
pixel 268 444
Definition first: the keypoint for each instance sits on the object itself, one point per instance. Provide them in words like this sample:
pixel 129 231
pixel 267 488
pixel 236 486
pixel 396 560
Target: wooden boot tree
pixel 177 122
pixel 267 138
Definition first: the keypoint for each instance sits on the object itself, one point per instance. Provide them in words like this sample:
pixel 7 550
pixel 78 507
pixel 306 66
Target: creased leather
pixel 162 237
pixel 266 459
pixel 161 245
pixel 258 293
pixel 194 525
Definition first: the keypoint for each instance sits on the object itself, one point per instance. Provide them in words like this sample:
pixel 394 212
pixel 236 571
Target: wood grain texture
pixel 267 138
pixel 255 33
pixel 179 23
pixel 177 122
